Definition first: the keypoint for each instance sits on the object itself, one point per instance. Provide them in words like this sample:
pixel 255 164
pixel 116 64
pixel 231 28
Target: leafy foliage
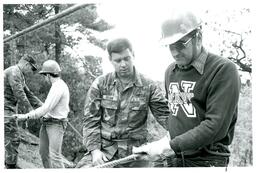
pixel 42 41
pixel 228 41
pixel 78 75
pixel 77 72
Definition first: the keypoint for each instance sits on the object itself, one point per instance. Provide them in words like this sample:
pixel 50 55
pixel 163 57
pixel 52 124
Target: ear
pixel 199 43
pixel 199 36
pixel 133 55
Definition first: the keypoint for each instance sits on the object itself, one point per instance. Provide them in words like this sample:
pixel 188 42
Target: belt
pixel 113 136
pixel 219 150
pixel 190 154
pixel 53 120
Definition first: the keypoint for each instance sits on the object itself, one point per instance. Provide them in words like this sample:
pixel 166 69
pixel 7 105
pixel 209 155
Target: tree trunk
pixel 14 52
pixel 57 35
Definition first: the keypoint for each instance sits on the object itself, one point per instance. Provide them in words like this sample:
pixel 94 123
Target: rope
pixel 120 161
pixel 77 132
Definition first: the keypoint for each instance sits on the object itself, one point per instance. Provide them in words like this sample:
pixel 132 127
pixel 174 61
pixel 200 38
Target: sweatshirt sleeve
pixel 221 105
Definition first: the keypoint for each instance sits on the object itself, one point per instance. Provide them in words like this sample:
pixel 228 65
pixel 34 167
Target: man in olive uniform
pixel 16 90
pixel 116 109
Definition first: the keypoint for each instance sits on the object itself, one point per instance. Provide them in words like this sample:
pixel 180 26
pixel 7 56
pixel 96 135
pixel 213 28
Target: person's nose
pixel 174 51
pixel 123 63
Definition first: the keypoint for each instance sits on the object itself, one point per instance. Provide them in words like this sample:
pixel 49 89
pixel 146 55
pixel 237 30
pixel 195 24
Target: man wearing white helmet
pixel 53 114
pixel 202 90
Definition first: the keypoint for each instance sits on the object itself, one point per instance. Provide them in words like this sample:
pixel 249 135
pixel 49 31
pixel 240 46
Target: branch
pixel 27 7
pixel 243 67
pixel 49 11
pixel 232 32
pixel 239 47
pixel 86 66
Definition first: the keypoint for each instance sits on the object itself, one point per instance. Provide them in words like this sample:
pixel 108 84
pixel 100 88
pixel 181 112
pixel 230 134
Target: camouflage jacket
pixel 16 90
pixel 113 112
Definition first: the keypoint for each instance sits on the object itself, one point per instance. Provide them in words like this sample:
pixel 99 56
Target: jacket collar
pixel 137 81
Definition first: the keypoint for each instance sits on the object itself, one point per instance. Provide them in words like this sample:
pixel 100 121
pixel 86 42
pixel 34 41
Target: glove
pixel 8 118
pixel 98 157
pixel 155 148
pixel 21 117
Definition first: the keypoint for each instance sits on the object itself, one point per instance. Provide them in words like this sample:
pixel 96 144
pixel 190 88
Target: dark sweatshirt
pixel 203 100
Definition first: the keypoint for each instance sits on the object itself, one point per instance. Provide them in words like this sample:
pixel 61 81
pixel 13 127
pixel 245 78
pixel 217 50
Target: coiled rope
pixel 120 161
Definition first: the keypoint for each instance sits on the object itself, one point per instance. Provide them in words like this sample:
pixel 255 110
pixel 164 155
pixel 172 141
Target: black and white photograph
pixel 127 84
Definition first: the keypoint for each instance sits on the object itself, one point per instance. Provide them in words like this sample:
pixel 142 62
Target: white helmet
pixel 50 66
pixel 178 25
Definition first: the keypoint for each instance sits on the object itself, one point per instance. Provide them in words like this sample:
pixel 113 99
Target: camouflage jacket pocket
pixel 109 110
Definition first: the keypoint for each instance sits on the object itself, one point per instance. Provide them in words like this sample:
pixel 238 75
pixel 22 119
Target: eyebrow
pixel 122 58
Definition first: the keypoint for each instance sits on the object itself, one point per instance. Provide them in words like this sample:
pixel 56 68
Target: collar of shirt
pixel 136 78
pixel 57 80
pixel 198 63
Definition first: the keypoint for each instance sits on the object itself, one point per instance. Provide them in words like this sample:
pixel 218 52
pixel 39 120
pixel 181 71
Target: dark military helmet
pixel 31 60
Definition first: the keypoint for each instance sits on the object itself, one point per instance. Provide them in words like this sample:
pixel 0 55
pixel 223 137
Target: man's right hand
pixel 98 157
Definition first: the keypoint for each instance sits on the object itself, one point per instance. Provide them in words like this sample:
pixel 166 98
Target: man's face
pixel 182 50
pixel 123 63
pixel 47 78
pixel 28 68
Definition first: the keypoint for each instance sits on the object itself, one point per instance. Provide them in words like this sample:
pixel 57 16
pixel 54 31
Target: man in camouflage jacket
pixel 16 90
pixel 117 107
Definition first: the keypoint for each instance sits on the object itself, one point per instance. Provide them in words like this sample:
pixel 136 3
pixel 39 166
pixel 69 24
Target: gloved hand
pixel 21 117
pixel 98 157
pixel 8 118
pixel 155 148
